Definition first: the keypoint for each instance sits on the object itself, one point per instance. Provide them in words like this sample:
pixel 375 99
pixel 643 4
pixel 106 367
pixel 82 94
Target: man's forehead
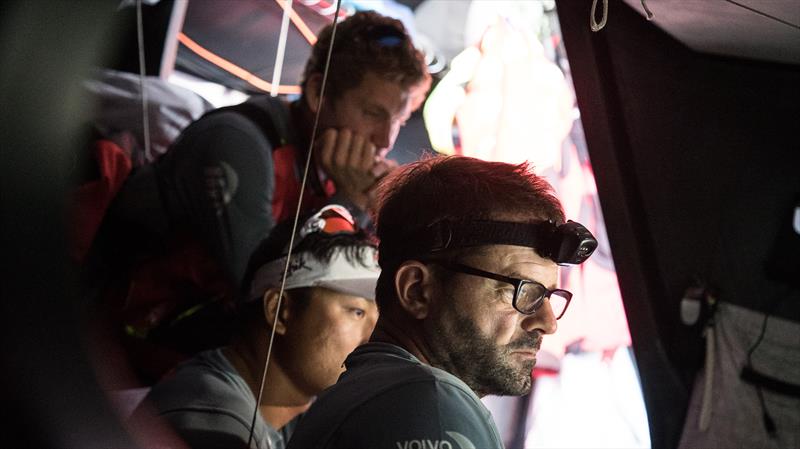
pixel 323 293
pixel 514 261
pixel 512 254
pixel 382 91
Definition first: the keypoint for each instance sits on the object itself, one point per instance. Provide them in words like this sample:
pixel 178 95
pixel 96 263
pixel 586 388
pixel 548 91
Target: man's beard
pixel 459 347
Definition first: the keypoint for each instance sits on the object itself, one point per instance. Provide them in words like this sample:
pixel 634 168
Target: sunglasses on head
pixel 385 36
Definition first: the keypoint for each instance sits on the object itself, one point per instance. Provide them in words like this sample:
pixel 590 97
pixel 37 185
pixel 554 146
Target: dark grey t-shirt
pixel 210 406
pixel 388 399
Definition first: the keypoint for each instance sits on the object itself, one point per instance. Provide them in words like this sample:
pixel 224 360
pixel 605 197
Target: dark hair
pixel 319 245
pixel 366 42
pixel 455 188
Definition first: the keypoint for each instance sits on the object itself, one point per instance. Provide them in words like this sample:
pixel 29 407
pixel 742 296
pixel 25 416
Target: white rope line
pixel 706 407
pixel 592 19
pixel 595 26
pixel 142 74
pixel 296 220
pixel 710 334
pixel 279 57
pixel 647 10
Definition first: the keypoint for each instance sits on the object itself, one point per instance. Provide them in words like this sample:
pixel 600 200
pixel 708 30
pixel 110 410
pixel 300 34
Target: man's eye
pixel 358 312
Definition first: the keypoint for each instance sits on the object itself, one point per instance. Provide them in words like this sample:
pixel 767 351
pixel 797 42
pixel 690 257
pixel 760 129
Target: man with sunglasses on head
pixel 236 171
pixel 469 252
pixel 326 311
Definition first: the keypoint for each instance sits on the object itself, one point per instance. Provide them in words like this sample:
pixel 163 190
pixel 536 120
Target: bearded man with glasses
pixel 469 252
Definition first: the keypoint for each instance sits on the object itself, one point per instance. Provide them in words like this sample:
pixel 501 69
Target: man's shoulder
pixel 415 389
pixel 417 408
pixel 390 397
pixel 205 382
pixel 207 403
pixel 270 115
pixel 384 366
pixel 259 117
pixel 384 376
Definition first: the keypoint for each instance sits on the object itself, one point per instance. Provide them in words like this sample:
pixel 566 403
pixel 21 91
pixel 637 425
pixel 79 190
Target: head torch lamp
pixel 566 244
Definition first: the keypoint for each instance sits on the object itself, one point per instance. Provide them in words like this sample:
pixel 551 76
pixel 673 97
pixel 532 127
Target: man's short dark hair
pixel 320 246
pixel 455 188
pixel 366 42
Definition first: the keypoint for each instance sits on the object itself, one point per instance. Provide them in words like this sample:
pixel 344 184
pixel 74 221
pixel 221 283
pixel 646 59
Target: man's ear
pixel 312 90
pixel 270 308
pixel 414 284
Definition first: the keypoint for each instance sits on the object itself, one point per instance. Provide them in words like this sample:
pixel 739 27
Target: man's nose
pixel 383 136
pixel 542 320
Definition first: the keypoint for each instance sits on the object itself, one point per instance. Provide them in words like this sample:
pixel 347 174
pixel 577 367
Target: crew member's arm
pixel 219 178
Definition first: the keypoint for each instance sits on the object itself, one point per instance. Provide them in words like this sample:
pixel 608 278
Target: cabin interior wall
pixel 696 159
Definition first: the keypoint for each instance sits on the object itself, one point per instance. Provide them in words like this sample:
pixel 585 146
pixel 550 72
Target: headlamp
pixel 566 244
pixel 570 243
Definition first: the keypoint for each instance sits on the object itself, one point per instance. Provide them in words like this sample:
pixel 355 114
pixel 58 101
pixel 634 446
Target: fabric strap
pixel 357 277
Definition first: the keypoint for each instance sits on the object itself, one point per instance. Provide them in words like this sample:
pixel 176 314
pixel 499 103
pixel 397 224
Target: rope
pixel 647 10
pixel 296 219
pixel 592 20
pixel 769 423
pixel 142 74
pixel 708 383
pixel 599 26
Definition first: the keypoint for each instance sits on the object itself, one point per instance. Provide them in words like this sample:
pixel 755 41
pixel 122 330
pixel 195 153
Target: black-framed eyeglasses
pixel 528 295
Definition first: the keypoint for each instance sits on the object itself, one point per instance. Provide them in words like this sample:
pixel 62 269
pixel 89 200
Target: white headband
pixel 358 278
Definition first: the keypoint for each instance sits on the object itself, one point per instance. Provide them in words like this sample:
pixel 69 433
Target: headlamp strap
pixel 447 234
pixel 570 243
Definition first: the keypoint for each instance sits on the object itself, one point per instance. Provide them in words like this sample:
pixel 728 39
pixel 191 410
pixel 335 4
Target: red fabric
pixel 287 186
pixel 544 372
pixel 91 200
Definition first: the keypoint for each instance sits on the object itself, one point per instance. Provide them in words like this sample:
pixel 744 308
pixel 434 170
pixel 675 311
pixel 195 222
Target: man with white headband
pixel 327 310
